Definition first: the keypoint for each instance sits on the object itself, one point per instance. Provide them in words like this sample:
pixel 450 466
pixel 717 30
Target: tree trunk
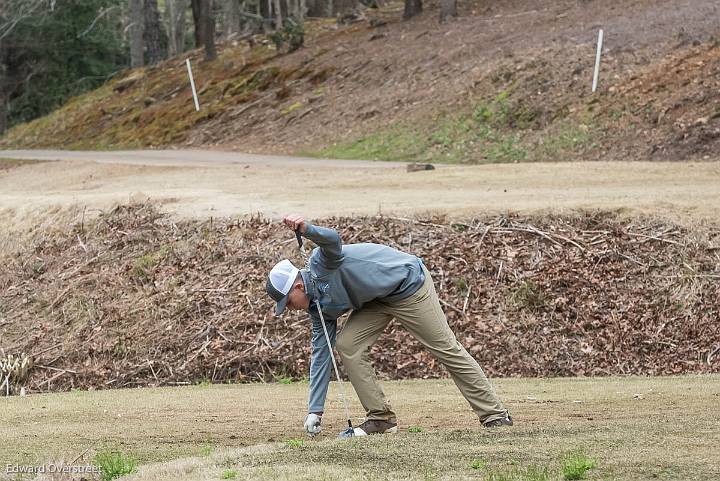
pixel 197 6
pixel 136 33
pixel 231 18
pixel 152 32
pixel 314 8
pixel 412 8
pixel 293 9
pixel 175 24
pixel 3 91
pixel 3 110
pixel 278 14
pixel 448 8
pixel 207 18
pixel 265 9
pixel 343 7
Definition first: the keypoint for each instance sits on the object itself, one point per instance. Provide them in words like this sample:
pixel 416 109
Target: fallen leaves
pixel 138 298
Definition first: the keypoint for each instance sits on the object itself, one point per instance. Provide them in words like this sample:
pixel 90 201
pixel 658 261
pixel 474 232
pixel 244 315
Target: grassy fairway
pixel 634 428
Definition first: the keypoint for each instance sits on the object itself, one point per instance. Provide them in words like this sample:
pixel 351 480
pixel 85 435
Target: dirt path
pixel 207 183
pixel 184 158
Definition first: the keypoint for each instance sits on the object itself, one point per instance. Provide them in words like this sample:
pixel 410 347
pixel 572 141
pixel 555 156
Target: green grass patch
pixel 568 139
pixel 114 464
pixel 295 443
pixel 206 449
pixel 229 474
pixel 490 131
pixel 503 111
pixel 394 144
pixel 286 379
pixel 576 464
pixel 291 108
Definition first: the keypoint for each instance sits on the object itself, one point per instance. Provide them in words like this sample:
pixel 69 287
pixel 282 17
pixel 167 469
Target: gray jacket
pixel 342 278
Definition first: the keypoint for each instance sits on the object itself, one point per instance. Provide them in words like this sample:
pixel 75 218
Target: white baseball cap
pixel 279 282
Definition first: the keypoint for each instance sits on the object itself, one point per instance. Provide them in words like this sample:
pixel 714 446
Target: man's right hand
pixel 312 424
pixel 295 222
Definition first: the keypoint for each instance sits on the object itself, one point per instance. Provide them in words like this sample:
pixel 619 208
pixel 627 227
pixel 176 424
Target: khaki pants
pixel 422 315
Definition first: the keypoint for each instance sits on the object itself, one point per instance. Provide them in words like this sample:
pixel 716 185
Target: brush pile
pixel 136 298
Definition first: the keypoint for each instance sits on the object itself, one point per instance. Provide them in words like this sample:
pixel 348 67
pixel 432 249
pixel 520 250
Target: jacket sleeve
pixel 329 242
pixel 320 364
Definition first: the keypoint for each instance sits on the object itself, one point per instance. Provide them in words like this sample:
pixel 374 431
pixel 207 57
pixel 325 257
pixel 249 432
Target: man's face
pixel 297 300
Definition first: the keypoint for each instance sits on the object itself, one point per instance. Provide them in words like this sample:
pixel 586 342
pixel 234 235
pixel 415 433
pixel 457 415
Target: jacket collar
pixel 309 284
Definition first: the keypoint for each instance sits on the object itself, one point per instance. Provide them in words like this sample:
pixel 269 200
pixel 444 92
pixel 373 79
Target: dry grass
pixel 26 221
pixel 7 164
pixel 635 428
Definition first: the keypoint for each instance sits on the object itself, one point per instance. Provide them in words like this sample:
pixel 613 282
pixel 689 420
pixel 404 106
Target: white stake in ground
pixel 596 77
pixel 192 84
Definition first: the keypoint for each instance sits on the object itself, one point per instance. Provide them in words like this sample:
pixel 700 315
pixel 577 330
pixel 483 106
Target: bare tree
pixel 3 101
pixel 314 8
pixel 204 19
pixel 175 25
pixel 448 8
pixel 344 7
pixel 135 31
pixel 12 12
pixel 278 14
pixel 231 17
pixel 266 9
pixel 412 8
pixel 320 8
pixel 207 19
pixel 197 7
pixel 152 32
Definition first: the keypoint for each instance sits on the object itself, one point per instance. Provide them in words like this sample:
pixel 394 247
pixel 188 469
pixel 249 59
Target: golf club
pixel 350 431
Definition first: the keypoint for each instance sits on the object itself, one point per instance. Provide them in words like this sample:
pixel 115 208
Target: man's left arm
pixel 320 364
pixel 329 242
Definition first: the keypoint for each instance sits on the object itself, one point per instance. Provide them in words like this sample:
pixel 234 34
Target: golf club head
pixel 351 433
pixel 347 434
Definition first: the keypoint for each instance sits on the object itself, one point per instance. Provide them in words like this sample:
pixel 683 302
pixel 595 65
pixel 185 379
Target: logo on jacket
pixel 324 287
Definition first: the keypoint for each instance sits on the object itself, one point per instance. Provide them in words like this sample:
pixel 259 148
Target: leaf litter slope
pixel 136 297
